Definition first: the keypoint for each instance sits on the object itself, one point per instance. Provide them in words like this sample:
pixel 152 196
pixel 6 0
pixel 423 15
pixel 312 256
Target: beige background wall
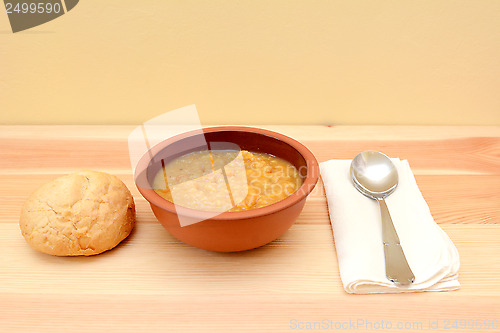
pixel 255 62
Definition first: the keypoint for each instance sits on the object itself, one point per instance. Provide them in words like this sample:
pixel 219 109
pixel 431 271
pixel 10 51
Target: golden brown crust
pixel 84 213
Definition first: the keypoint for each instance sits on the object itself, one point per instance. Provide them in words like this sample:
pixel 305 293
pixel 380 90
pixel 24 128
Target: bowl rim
pixel 301 193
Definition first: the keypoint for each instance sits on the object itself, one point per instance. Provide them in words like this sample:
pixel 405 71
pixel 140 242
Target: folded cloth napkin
pixel 357 229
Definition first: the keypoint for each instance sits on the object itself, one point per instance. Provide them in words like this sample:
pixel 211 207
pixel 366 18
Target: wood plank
pixel 302 260
pixel 466 199
pixel 250 313
pixel 467 154
pixel 151 256
pixel 335 132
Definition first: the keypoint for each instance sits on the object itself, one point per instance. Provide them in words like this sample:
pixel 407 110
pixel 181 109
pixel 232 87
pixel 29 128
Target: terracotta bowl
pixel 228 231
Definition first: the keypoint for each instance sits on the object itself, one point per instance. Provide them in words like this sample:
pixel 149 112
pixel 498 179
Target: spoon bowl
pixel 374 174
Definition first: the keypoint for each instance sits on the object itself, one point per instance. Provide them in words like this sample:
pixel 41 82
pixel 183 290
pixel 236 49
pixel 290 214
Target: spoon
pixel 374 175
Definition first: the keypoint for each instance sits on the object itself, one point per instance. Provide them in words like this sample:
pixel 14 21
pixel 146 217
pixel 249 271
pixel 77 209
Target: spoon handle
pixel 396 267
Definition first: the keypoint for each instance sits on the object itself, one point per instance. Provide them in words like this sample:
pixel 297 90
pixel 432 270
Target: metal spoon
pixel 374 175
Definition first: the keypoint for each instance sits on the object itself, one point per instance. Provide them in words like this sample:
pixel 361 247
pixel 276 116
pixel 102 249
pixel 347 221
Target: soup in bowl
pixel 226 180
pixel 227 188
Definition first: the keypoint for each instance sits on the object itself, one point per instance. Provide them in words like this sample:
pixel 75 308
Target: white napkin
pixel 357 228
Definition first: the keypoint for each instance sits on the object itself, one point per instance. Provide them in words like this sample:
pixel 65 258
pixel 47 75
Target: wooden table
pixel 152 282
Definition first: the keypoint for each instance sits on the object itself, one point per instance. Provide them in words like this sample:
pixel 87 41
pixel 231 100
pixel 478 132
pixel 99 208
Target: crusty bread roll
pixel 84 213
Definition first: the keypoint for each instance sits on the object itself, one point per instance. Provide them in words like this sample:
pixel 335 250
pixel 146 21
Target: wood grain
pixel 152 282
